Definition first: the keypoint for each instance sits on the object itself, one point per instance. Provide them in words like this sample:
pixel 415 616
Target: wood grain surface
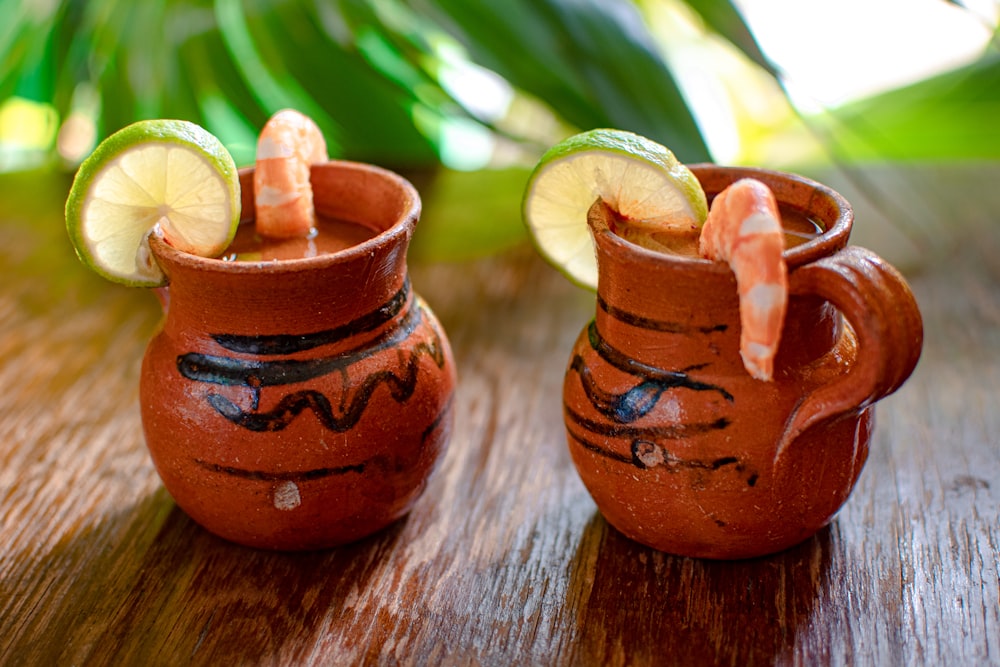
pixel 504 560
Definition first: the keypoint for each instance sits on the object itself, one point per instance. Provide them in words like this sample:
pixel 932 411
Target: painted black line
pixel 231 371
pixel 653 376
pixel 653 324
pixel 291 343
pixel 289 476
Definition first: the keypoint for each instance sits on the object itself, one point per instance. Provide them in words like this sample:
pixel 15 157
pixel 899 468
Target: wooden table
pixel 504 560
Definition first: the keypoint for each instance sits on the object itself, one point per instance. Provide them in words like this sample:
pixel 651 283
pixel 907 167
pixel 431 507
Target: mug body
pixel 679 446
pixel 301 403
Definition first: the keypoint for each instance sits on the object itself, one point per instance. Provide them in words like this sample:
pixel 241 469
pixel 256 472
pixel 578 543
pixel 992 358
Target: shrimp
pixel 744 229
pixel 289 143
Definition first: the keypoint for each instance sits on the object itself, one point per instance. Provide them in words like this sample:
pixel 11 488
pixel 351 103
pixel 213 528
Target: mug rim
pixel 403 225
pixel 833 238
pixel 714 178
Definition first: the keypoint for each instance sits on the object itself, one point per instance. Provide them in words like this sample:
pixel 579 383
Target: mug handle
pixel 876 301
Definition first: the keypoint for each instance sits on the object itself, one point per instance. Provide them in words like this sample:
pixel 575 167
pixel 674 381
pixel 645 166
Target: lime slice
pixel 169 177
pixel 638 178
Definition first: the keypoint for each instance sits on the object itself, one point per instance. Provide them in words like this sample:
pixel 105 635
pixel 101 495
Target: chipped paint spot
pixel 286 496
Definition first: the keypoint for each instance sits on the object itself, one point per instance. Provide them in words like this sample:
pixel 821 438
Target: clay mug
pixel 679 447
pixel 301 403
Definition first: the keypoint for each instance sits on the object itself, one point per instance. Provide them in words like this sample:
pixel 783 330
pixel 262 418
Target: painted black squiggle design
pixel 630 405
pixel 645 454
pixel 299 476
pixel 647 443
pixel 636 402
pixel 230 371
pixel 401 388
pixel 647 451
pixel 658 432
pixel 650 373
pixel 256 374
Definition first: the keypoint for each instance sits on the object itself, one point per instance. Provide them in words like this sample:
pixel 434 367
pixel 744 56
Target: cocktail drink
pixel 329 236
pixel 299 392
pixel 720 403
pixel 797 228
pixel 300 399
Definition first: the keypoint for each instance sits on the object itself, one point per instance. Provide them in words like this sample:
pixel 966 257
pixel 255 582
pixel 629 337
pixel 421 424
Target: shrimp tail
pixel 744 229
pixel 288 146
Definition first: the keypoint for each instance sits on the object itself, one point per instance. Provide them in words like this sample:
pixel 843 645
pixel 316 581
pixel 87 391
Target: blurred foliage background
pixel 464 95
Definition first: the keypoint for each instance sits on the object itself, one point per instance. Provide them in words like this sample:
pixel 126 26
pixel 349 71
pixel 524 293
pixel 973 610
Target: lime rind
pixel 640 179
pixel 167 175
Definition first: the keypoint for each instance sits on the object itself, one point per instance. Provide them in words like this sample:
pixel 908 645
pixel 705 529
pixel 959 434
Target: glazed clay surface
pixel 680 448
pixel 301 404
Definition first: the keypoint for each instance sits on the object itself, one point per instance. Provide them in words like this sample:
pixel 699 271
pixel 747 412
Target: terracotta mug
pixel 302 403
pixel 680 448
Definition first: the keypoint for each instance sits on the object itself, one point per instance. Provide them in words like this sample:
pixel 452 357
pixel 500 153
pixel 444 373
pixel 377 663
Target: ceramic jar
pixel 680 448
pixel 302 403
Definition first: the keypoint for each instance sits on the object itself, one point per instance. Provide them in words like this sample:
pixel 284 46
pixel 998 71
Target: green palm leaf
pixel 953 116
pixel 372 74
pixel 593 61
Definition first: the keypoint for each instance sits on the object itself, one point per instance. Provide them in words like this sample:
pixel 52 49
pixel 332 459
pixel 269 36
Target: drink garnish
pixel 166 177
